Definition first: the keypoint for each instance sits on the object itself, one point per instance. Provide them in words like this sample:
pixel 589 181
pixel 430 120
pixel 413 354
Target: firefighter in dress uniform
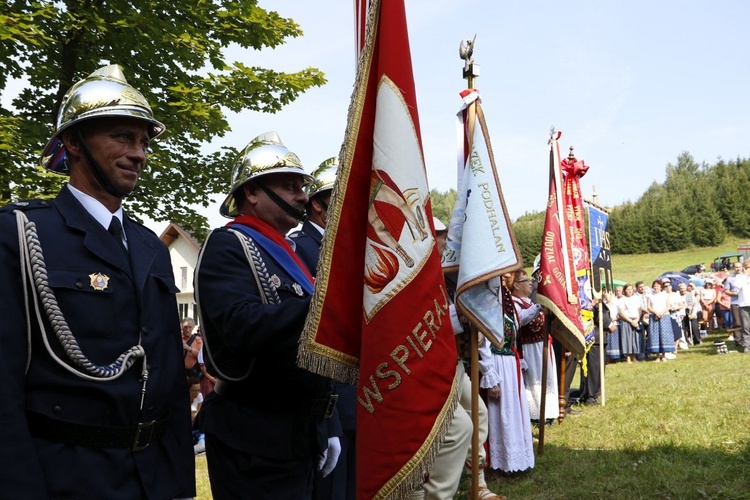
pixel 94 395
pixel 268 422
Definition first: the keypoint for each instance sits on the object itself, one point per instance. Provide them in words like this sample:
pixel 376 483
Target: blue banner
pixel 601 254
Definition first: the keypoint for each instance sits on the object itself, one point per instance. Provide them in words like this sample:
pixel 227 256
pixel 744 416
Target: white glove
pixel 330 456
pixel 455 322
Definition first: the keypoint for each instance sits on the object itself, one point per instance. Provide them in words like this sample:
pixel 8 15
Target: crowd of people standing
pixel 673 314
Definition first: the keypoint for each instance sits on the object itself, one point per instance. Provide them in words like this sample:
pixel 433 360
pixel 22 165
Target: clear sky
pixel 630 84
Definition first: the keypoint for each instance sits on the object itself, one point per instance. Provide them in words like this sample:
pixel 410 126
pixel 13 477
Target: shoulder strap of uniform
pixel 36 285
pixel 268 293
pixel 26 205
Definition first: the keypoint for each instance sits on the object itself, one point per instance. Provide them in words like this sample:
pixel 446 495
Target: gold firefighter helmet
pixel 104 93
pixel 325 176
pixel 265 154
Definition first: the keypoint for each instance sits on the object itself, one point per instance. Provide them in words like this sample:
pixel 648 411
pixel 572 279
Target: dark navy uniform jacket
pixel 135 303
pixel 265 415
pixel 308 240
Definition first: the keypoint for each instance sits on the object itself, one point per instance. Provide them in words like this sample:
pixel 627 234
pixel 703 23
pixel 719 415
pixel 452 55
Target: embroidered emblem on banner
pixel 99 281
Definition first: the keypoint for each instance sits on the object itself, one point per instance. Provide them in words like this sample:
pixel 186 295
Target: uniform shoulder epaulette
pixel 26 205
pixel 141 226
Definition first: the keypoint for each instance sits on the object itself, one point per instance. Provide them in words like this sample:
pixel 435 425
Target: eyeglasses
pixel 523 281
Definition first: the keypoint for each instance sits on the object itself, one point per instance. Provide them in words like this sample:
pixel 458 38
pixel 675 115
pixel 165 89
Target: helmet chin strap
pixel 300 215
pixel 97 170
pixel 325 207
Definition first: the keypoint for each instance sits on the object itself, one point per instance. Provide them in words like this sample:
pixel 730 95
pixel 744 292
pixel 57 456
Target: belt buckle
pixel 332 399
pixel 142 430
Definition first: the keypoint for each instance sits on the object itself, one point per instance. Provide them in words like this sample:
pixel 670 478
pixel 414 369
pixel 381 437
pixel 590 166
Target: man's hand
pixel 328 461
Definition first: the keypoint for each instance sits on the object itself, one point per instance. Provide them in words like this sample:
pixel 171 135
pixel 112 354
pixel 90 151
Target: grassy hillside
pixel 648 267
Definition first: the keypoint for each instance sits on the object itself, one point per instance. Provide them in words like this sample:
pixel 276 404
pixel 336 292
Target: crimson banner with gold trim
pixel 558 286
pixel 379 312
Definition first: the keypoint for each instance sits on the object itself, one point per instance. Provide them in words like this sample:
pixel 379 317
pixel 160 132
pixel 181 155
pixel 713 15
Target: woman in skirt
pixel 660 335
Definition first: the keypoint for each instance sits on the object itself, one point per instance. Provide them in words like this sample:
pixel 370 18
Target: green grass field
pixel 675 430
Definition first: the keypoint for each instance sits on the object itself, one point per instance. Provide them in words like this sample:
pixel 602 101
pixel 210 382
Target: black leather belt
pixel 318 408
pixel 134 437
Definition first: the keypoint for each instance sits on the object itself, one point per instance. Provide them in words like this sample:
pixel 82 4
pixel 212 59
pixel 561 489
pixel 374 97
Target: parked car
pixel 725 261
pixel 694 269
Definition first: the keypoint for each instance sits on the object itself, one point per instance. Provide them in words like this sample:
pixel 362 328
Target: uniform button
pixel 79 285
pixel 57 410
pixel 145 330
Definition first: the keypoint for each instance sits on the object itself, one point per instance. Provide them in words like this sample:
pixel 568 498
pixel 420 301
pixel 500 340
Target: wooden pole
pixel 542 410
pixel 474 414
pixel 466 51
pixel 562 397
pixel 601 350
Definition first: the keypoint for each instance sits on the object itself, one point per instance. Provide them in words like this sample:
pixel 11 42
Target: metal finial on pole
pixel 471 71
pixel 553 135
pixel 466 51
pixel 571 155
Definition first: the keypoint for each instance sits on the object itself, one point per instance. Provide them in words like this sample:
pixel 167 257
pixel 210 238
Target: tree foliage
pixel 697 205
pixel 528 230
pixel 173 52
pixel 443 204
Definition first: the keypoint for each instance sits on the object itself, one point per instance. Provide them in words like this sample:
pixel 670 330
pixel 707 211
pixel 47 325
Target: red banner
pixel 379 313
pixel 572 170
pixel 558 287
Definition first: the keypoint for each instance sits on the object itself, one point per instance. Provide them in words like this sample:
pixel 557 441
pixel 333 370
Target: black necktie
pixel 115 229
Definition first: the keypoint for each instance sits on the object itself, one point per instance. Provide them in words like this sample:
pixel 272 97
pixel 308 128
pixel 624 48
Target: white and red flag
pixel 481 244
pixel 379 316
pixel 558 288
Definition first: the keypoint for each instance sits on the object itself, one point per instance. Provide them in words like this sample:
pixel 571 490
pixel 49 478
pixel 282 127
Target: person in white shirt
pixel 629 314
pixel 676 312
pixel 660 335
pixel 692 308
pixel 730 289
pixel 742 281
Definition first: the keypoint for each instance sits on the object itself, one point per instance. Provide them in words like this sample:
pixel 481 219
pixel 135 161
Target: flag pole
pixel 562 396
pixel 545 344
pixel 601 349
pixel 466 50
pixel 554 136
pixel 605 278
pixel 543 402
